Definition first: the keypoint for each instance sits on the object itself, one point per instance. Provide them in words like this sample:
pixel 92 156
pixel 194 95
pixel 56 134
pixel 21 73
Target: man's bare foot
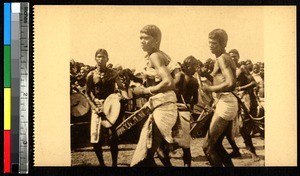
pixel 235 154
pixel 255 158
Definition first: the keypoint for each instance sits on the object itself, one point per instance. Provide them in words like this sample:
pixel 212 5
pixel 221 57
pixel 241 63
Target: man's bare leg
pixel 163 154
pixel 221 150
pixel 245 132
pixel 98 150
pixel 235 149
pixel 114 148
pixel 187 157
pixel 157 140
pixel 216 129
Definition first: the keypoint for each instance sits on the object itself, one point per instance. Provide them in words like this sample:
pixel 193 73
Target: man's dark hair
pixel 234 51
pixel 101 51
pixel 190 61
pixel 153 31
pixel 219 35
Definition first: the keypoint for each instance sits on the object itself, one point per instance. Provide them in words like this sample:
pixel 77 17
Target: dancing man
pixel 226 105
pixel 245 87
pixel 186 89
pixel 162 102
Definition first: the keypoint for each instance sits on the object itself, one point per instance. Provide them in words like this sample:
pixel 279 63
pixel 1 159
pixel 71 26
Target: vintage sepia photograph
pixel 209 95
pixel 155 86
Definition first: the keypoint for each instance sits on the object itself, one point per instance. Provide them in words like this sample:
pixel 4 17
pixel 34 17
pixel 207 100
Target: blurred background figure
pixel 110 65
pixel 118 68
pixel 260 83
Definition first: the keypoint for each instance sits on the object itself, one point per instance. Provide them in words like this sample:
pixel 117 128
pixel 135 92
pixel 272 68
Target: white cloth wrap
pixel 185 117
pixel 164 115
pixel 226 106
pixel 95 127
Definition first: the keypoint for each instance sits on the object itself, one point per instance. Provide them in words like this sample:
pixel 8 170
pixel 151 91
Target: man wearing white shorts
pixel 226 105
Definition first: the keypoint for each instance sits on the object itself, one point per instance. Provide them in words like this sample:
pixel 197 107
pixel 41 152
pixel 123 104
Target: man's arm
pixel 88 92
pixel 252 82
pixel 167 82
pixel 230 80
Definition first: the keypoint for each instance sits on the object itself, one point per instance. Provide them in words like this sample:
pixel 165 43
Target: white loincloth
pixel 95 127
pixel 226 106
pixel 164 115
pixel 183 139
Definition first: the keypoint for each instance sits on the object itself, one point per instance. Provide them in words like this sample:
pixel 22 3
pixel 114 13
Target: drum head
pixel 111 109
pixel 79 105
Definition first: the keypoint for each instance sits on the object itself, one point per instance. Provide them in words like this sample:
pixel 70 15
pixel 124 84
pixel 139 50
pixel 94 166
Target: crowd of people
pixel 79 71
pixel 174 91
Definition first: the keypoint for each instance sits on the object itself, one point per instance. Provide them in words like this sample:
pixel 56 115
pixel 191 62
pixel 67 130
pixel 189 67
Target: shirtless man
pixel 100 83
pixel 160 87
pixel 186 89
pixel 187 94
pixel 245 87
pixel 226 105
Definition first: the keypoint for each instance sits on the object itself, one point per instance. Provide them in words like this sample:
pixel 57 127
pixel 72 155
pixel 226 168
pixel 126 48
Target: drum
pixel 80 121
pixel 79 105
pixel 111 109
pixel 200 127
pixel 132 120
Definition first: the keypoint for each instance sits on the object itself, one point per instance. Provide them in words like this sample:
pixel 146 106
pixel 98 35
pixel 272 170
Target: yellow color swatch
pixel 7 108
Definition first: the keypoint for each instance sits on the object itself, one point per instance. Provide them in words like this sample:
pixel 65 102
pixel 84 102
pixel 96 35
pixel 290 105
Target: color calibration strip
pixel 16 54
pixel 7 88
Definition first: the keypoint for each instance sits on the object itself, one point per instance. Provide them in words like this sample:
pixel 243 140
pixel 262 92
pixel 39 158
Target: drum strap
pixel 103 117
pixel 242 105
pixel 181 96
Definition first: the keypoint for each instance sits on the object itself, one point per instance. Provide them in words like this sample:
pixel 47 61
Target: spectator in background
pixel 262 71
pixel 204 98
pixel 209 65
pixel 118 68
pixel 260 83
pixel 249 65
pixel 244 85
pixel 241 63
pixel 110 66
pixel 81 77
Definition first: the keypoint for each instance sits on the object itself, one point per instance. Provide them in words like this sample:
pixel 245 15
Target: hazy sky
pixel 184 31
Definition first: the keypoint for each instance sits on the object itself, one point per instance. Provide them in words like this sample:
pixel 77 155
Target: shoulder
pixel 225 57
pixel 225 60
pixel 90 74
pixel 159 57
pixel 155 56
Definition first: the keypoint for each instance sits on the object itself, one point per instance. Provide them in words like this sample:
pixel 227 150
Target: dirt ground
pixel 86 157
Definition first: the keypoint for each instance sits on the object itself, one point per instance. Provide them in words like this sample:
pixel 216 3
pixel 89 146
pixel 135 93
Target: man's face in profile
pixel 148 43
pixel 214 46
